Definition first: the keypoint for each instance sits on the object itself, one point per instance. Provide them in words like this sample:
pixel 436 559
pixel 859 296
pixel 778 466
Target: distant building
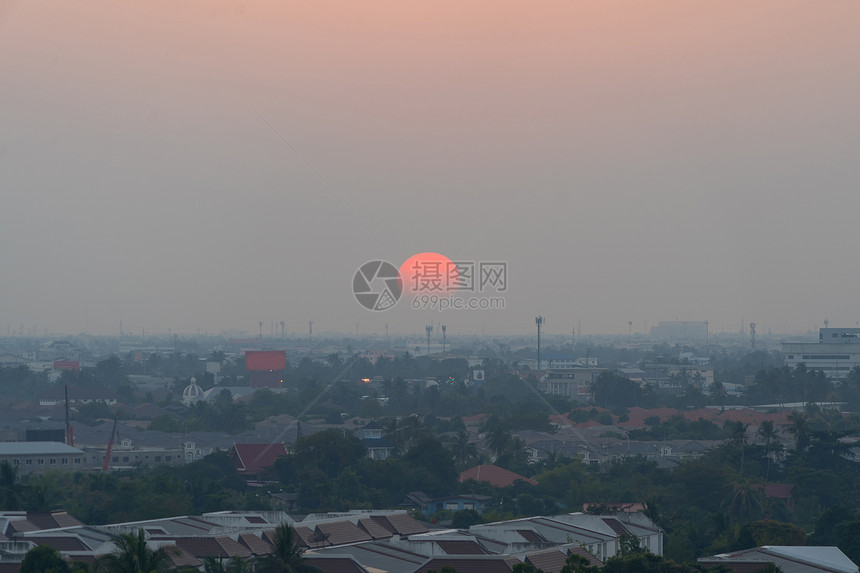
pixel 192 393
pixel 835 354
pixel 39 457
pixel 252 460
pixel 681 331
pixel 427 505
pixel 77 395
pixel 378 447
pixel 494 475
pixel 573 383
pixel 266 368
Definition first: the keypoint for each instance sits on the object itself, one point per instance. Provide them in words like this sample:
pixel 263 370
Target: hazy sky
pixel 211 164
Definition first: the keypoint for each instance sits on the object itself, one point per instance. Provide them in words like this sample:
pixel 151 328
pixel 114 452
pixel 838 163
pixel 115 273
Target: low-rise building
pixel 38 457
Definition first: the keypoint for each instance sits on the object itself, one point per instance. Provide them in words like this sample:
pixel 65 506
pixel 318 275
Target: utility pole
pixel 444 330
pixel 539 323
pixel 429 330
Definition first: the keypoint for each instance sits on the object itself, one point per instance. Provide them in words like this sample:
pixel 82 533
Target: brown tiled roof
pixel 549 561
pixel 374 529
pixel 59 543
pixel 255 519
pixel 616 526
pixel 10 567
pixel 181 558
pixel 201 546
pixel 213 547
pixel 382 521
pixel 343 532
pixel 305 535
pixel 496 476
pixel 343 564
pixel 592 560
pixel 63 519
pixel 21 526
pixel 253 458
pixel 460 547
pixel 233 547
pixel 483 564
pixel 403 524
pixel 257 545
pixel 532 536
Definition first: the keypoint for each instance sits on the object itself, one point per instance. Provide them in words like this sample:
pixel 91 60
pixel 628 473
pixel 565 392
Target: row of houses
pixel 360 541
pixel 388 541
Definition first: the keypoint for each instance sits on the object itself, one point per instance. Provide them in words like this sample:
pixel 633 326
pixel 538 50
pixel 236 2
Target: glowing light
pixel 428 273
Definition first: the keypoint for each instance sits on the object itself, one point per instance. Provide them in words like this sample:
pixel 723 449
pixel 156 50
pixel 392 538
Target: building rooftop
pixel 37 449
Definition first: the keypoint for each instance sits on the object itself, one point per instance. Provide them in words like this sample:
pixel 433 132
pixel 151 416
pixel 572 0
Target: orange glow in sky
pixel 428 273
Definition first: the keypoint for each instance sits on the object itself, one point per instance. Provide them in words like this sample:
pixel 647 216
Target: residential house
pixel 788 559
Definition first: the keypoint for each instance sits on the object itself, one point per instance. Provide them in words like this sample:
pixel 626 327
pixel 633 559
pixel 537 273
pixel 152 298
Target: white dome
pixel 192 392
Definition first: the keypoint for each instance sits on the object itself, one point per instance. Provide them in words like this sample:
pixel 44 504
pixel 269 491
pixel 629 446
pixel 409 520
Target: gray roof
pixel 36 449
pixel 790 559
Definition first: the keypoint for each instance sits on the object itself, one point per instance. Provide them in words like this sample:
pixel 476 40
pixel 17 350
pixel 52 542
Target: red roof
pixel 498 477
pixel 253 458
pixel 257 360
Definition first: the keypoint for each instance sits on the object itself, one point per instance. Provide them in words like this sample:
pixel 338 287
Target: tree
pixel 44 559
pixel 738 439
pixel 465 518
pixel 132 555
pixel 742 506
pixel 497 436
pixel 435 462
pixel 576 563
pixel 391 431
pixel 234 565
pixel 411 430
pixel 799 428
pixel 628 544
pixel 286 556
pixel 11 490
pixel 768 434
pixel 463 450
pixel 331 451
pixel 612 390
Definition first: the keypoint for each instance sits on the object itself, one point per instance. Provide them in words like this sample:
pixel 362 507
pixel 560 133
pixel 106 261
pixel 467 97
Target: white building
pixel 835 354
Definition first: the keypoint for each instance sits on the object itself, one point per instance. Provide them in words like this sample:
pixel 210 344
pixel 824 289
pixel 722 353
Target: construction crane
pixel 109 449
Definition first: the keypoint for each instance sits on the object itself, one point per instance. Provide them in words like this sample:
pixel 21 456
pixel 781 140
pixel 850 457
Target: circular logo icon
pixel 377 285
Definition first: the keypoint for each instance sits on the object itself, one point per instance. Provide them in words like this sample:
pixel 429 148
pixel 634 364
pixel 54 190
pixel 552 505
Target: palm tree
pixel 133 556
pixel 742 506
pixel 739 438
pixel 498 440
pixel 463 450
pixel 11 490
pixel 391 430
pixel 799 428
pixel 411 430
pixel 286 556
pixel 767 432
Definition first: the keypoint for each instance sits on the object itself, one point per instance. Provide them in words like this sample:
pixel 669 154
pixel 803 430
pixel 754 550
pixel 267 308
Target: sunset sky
pixel 205 165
